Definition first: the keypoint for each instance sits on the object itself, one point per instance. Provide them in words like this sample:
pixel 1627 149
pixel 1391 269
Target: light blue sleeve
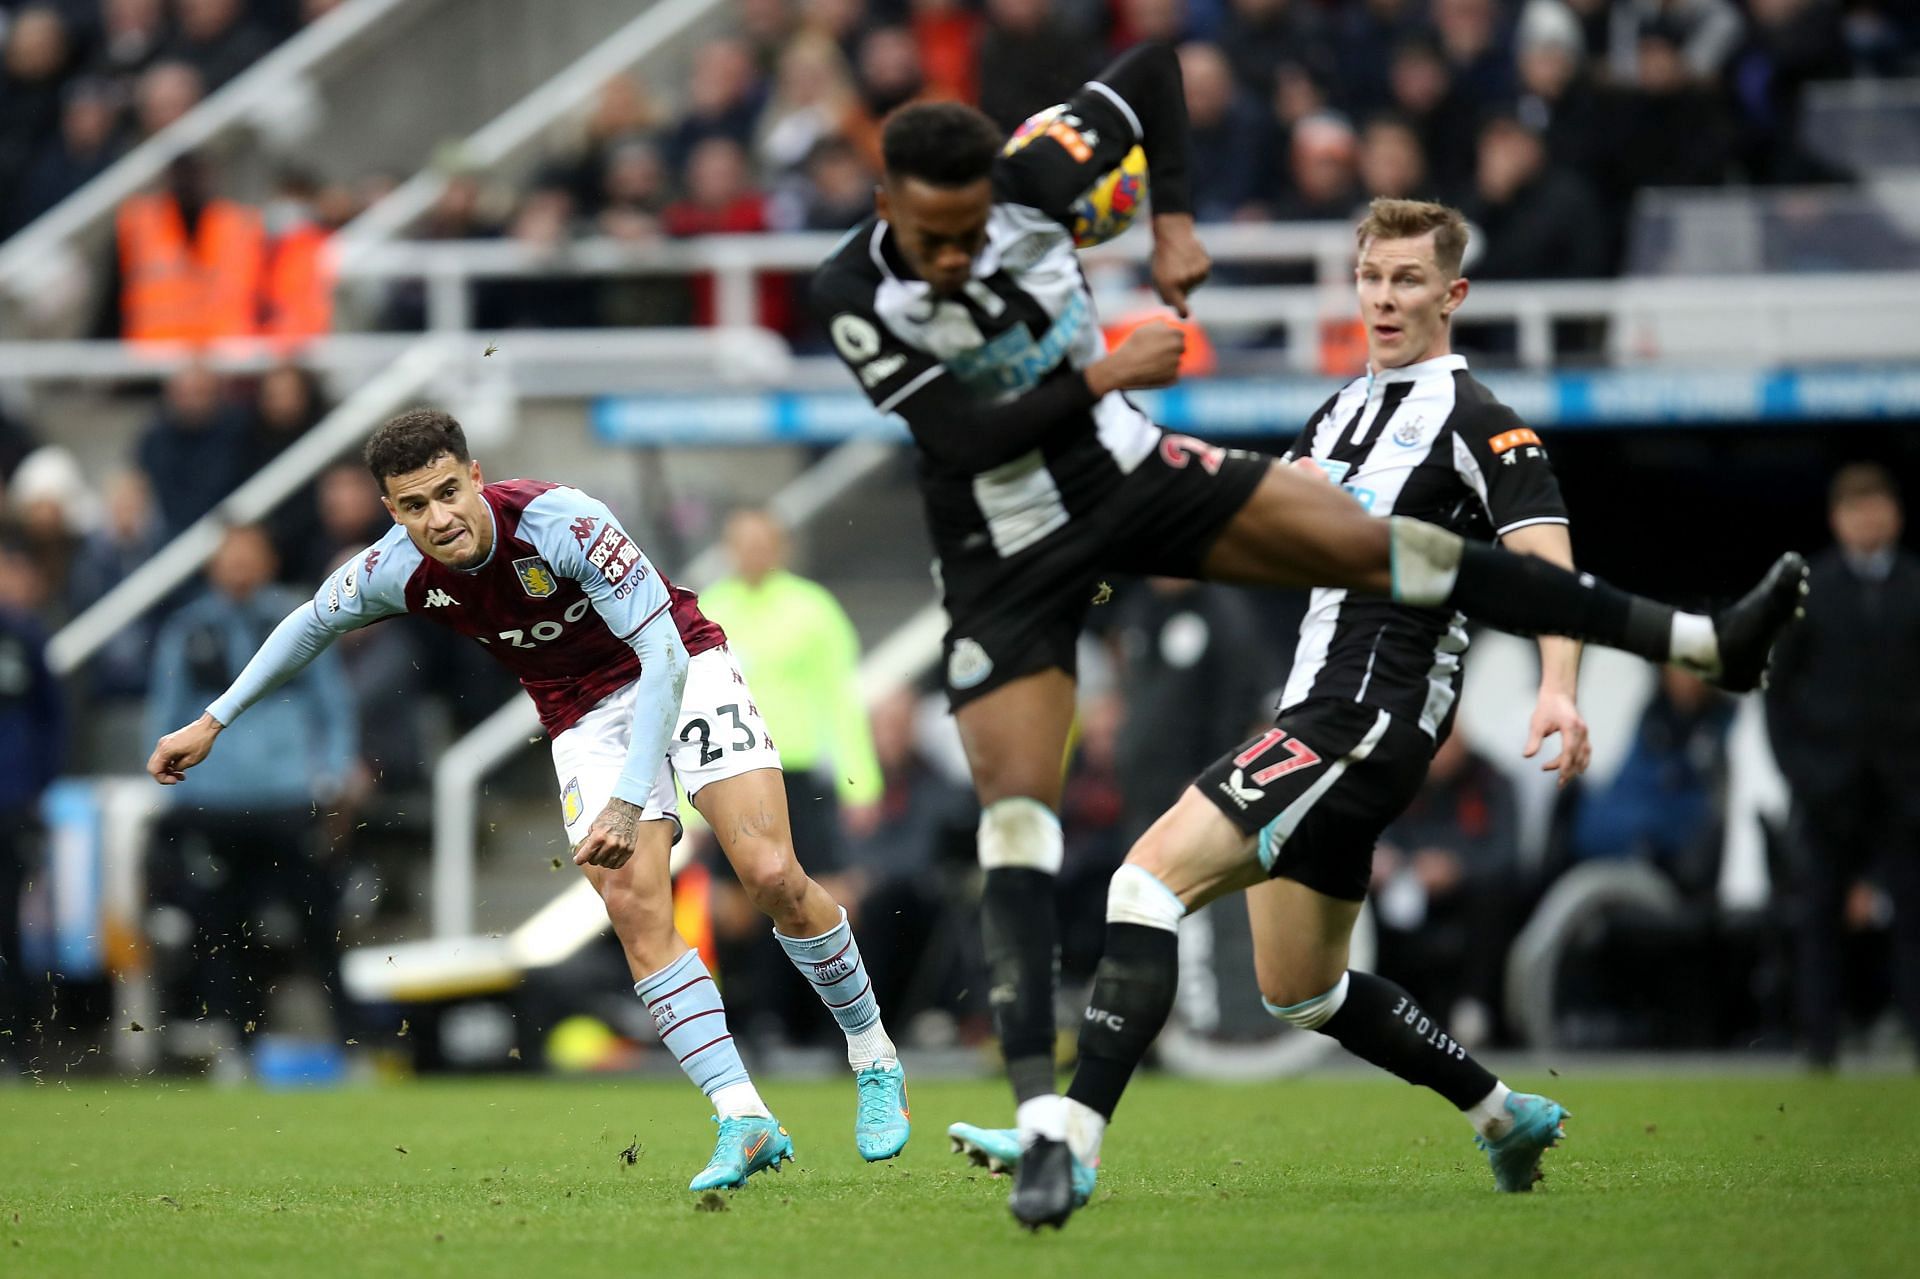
pixel 580 538
pixel 367 588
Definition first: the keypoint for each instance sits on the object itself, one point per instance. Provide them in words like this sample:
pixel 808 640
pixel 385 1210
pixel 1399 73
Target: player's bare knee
pixel 773 881
pixel 637 916
pixel 1307 1004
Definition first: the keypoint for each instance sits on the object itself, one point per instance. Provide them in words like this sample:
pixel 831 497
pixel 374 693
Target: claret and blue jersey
pixel 556 553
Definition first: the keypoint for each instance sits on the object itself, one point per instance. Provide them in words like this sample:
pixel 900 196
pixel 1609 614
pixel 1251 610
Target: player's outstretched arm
pixel 182 749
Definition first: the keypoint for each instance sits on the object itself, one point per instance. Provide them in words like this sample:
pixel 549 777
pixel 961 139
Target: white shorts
pixel 719 735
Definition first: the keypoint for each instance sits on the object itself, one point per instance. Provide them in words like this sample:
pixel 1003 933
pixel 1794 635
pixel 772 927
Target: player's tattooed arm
pixel 613 838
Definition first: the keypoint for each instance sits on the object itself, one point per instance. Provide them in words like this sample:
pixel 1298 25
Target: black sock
pixel 1526 595
pixel 1017 920
pixel 1381 1023
pixel 1133 992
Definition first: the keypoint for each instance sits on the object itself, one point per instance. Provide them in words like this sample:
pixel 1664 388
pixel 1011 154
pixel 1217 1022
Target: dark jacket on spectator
pixel 1021 74
pixel 192 468
pixel 1550 229
pixel 32 721
pixel 1843 702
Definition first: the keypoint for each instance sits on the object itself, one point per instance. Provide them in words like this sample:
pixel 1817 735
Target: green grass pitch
pixel 1348 1176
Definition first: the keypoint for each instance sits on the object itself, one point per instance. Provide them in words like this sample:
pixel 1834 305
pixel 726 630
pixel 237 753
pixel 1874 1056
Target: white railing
pixel 1744 320
pixel 262 92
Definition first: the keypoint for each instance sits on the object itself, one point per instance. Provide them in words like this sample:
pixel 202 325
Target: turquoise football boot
pixel 881 1128
pixel 1537 1127
pixel 995 1149
pixel 746 1145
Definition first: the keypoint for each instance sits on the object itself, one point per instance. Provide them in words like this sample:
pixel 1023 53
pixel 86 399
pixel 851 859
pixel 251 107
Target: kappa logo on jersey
pixel 437 598
pixel 969 664
pixel 366 565
pixel 536 577
pixel 613 554
pixel 570 803
pixel 582 529
pixel 1236 789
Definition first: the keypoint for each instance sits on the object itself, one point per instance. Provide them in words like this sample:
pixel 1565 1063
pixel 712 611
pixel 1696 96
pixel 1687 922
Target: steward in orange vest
pixel 190 267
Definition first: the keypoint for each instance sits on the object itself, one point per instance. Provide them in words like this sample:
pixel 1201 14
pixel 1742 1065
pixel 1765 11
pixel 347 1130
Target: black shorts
pixel 1012 617
pixel 1319 787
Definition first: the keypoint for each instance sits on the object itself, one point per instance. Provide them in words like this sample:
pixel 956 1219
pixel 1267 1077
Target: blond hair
pixel 1409 219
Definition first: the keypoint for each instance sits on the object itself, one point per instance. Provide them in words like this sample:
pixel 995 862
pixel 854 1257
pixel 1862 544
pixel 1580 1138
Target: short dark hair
pixel 411 441
pixel 944 144
pixel 1863 479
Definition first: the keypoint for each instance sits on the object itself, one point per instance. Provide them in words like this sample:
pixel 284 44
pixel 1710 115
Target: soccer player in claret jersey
pixel 635 687
pixel 961 307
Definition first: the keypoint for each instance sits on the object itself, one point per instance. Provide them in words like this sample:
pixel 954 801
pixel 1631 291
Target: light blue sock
pixel 831 962
pixel 692 1023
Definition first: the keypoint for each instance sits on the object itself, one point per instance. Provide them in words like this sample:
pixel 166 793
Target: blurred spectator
pixel 49 500
pixel 1391 161
pixel 350 516
pixel 801 654
pixel 195 450
pixel 1260 35
pixel 1557 97
pixel 239 836
pixel 1536 223
pixel 543 224
pixel 839 20
pixel 633 191
pixel 1422 90
pixel 1228 128
pixel 839 188
pixel 458 213
pixel 86 144
pixel 1193 668
pixel 1142 20
pixel 1669 129
pixel 721 199
pixel 1704 34
pixel 1791 43
pixel 1363 34
pixel 297 282
pixel 1843 713
pixel 286 407
pixel 1664 806
pixel 624 113
pixel 813 100
pixel 889 70
pixel 1444 888
pixel 724 96
pixel 1476 50
pixel 131 33
pixel 765 26
pixel 190 264
pixel 217 38
pixel 36 56
pixel 948 33
pixel 127 537
pixel 918 939
pixel 165 92
pixel 1028 61
pixel 32 752
pixel 1325 178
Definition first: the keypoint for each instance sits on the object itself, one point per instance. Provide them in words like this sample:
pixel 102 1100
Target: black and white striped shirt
pixel 1427 441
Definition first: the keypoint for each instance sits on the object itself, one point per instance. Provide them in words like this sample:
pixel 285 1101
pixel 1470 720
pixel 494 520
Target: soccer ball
pixel 1108 206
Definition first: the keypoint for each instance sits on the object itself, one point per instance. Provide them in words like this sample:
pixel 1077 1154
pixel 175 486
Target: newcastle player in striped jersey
pixel 961 307
pixel 1293 815
pixel 636 689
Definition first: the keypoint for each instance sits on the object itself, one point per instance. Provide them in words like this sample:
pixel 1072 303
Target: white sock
pixel 737 1101
pixel 1489 1115
pixel 1694 645
pixel 870 1047
pixel 1041 1117
pixel 1086 1129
